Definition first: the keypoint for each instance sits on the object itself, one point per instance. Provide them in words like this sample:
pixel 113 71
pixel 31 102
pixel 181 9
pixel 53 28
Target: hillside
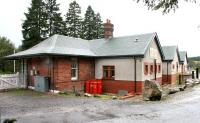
pixel 194 61
pixel 194 58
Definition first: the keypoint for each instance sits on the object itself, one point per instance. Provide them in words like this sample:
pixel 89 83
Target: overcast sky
pixel 129 18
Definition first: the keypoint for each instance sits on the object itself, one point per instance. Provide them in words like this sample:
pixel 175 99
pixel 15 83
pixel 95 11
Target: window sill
pixel 74 79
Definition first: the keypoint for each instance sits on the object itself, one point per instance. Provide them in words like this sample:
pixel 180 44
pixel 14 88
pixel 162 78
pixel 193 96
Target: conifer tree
pixel 89 24
pixel 54 20
pixel 99 29
pixel 35 25
pixel 73 20
pixel 92 25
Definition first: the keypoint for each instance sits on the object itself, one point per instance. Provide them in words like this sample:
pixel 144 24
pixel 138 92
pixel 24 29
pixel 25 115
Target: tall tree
pixel 6 48
pixel 89 24
pixel 73 20
pixel 99 29
pixel 54 20
pixel 92 25
pixel 35 24
pixel 165 5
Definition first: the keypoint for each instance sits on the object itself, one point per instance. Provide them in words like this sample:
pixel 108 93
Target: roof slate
pixel 63 45
pixel 169 52
pixel 183 54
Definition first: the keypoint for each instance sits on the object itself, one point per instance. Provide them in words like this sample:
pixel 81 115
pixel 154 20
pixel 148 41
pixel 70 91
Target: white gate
pixel 9 81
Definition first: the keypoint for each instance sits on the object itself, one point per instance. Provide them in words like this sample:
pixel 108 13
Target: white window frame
pixel 75 62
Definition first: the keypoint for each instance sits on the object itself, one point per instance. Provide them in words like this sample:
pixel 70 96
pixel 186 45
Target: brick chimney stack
pixel 108 29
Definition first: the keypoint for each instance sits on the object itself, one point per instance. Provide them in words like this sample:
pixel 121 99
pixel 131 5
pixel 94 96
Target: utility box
pixel 42 83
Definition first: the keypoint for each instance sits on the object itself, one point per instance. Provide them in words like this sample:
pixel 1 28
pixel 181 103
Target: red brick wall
pixel 40 66
pixel 113 86
pixel 170 80
pixel 86 69
pixel 60 72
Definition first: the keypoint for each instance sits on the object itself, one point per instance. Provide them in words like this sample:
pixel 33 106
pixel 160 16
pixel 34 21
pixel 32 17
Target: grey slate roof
pixel 183 54
pixel 119 46
pixel 58 45
pixel 170 52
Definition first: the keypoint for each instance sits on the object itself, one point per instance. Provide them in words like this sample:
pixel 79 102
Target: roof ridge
pixel 53 43
pixel 71 37
pixel 170 46
pixel 134 35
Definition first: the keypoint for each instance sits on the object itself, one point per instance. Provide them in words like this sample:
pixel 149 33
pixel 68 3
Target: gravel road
pixel 182 107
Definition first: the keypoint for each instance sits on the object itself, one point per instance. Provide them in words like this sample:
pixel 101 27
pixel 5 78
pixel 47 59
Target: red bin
pixel 93 87
pixel 99 85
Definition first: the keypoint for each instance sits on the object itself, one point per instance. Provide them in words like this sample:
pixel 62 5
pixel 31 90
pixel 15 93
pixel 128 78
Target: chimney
pixel 108 29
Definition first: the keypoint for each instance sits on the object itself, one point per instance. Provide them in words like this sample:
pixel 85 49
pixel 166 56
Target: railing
pixel 9 81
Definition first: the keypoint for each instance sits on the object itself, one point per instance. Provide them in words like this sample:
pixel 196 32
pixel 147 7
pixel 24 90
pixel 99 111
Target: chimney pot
pixel 108 29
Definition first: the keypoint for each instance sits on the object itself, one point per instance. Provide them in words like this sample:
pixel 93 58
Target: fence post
pixel 179 79
pixel 192 74
pixel 0 114
pixel 197 73
pixel 17 80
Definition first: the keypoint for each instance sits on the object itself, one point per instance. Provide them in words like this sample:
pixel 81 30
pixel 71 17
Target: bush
pixel 9 120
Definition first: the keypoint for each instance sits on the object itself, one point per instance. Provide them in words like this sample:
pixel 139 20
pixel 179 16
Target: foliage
pixel 7 48
pixel 165 5
pixel 194 62
pixel 73 20
pixel 89 24
pixel 55 22
pixel 9 120
pixel 92 25
pixel 99 29
pixel 44 20
pixel 35 25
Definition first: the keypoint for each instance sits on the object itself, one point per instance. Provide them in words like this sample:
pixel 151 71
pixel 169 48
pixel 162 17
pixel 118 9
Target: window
pixel 146 69
pixel 108 72
pixel 74 69
pixel 173 66
pixel 159 68
pixel 151 69
pixel 177 66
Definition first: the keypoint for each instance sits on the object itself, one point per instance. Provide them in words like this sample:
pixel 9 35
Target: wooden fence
pixel 8 81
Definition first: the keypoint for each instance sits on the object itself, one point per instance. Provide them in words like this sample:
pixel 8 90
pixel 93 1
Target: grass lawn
pixel 28 92
pixel 23 92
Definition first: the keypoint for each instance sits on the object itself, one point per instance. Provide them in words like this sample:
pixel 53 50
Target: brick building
pixel 123 63
pixel 171 64
pixel 183 62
